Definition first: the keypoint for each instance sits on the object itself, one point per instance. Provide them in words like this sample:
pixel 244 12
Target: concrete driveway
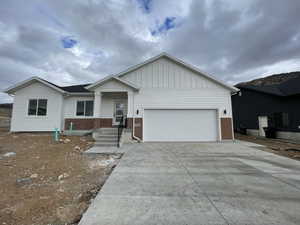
pixel 194 184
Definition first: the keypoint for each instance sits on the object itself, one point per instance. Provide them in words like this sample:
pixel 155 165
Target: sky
pixel 81 41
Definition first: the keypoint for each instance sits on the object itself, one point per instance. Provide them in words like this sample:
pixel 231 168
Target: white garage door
pixel 180 125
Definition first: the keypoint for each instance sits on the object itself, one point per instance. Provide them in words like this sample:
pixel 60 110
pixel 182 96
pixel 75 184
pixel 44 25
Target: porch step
pixel 108 131
pixel 106 137
pixel 106 144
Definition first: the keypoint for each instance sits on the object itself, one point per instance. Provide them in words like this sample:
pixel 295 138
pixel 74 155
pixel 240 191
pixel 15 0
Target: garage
pixel 177 125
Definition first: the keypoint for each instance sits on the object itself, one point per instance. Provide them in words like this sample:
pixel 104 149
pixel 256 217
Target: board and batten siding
pixel 164 73
pixel 21 121
pixel 166 84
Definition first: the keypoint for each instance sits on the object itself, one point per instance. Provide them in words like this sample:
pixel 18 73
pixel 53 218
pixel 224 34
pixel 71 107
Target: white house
pixel 163 99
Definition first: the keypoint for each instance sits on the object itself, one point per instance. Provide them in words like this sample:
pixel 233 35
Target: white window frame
pixel 37 107
pixel 84 107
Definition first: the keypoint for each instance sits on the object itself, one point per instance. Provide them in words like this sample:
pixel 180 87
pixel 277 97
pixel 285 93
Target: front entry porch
pixel 110 109
pixel 113 102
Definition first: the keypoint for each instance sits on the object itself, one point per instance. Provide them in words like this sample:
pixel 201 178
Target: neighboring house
pixel 269 105
pixel 163 99
pixel 6 109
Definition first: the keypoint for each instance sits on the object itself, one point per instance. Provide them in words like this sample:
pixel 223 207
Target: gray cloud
pixel 233 40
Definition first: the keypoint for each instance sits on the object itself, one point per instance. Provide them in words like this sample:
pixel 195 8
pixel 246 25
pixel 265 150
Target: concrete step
pixel 102 138
pixel 106 144
pixel 107 131
pixel 106 136
pixel 110 134
pixel 106 139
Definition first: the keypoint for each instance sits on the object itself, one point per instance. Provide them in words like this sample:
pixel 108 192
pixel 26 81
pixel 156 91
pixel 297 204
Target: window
pixel 37 107
pixel 85 108
pixel 285 120
pixel 281 120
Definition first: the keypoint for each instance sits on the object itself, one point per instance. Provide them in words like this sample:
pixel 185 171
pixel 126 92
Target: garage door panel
pixel 180 125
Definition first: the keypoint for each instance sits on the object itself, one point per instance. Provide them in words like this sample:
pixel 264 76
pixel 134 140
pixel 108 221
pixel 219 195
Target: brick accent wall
pixel 106 122
pixel 129 123
pixel 138 129
pixel 97 123
pixel 226 129
pixel 80 124
pixel 88 124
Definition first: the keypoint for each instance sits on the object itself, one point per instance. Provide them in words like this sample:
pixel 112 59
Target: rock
pixel 61 190
pixel 85 197
pixel 117 156
pixel 63 176
pixel 9 154
pixel 77 148
pixel 70 214
pixel 35 175
pixel 23 181
pixel 44 197
pixel 66 141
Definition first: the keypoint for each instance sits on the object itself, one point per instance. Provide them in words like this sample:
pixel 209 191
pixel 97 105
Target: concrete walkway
pixel 194 184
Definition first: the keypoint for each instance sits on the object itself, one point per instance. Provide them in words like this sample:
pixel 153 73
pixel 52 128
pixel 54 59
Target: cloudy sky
pixel 70 42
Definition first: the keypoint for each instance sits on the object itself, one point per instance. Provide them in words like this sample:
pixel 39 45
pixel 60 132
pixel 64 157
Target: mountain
pixel 271 80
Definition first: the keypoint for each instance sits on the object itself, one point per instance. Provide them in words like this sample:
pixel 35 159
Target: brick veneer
pixel 138 129
pixel 226 129
pixel 80 124
pixel 103 122
pixel 92 123
pixel 88 124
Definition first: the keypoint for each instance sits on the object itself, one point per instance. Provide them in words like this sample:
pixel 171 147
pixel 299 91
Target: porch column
pixel 97 109
pixel 97 104
pixel 129 105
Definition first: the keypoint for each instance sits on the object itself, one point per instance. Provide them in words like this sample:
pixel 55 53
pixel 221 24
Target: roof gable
pixel 109 78
pixel 165 72
pixel 180 63
pixel 30 81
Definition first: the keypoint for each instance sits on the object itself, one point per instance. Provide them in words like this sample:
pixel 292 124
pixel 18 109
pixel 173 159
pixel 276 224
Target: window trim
pixel 37 107
pixel 84 108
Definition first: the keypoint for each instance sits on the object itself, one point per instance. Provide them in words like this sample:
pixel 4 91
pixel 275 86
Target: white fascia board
pixel 115 78
pixel 24 83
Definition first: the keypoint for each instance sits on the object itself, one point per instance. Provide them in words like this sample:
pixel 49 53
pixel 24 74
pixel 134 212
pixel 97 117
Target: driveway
pixel 194 184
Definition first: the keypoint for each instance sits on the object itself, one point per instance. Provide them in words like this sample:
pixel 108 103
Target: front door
pixel 262 122
pixel 119 112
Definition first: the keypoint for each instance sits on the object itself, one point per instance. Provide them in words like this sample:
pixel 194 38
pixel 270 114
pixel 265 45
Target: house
pixel 269 102
pixel 163 99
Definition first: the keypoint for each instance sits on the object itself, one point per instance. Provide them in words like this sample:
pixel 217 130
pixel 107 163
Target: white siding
pixel 113 90
pixel 166 84
pixel 113 85
pixel 107 107
pixel 20 119
pixel 164 73
pixel 70 104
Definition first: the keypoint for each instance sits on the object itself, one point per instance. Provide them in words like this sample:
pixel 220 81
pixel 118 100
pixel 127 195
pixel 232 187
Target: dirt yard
pixel 290 149
pixel 44 182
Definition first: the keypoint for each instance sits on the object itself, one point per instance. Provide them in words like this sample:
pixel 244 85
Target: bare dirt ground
pixel 287 148
pixel 44 182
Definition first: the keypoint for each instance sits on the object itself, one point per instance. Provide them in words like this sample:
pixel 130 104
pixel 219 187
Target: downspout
pixel 133 121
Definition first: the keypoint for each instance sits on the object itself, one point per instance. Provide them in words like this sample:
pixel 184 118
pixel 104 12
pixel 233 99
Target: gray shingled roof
pixel 73 88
